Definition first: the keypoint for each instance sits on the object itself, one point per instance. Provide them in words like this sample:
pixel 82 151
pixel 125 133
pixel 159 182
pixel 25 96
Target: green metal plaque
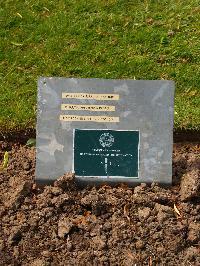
pixel 109 153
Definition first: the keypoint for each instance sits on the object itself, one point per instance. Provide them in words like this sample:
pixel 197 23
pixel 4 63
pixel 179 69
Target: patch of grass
pixel 103 39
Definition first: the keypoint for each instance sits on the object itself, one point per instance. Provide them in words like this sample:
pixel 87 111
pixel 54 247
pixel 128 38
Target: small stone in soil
pixel 190 185
pixel 98 243
pixel 39 262
pixel 17 195
pixel 144 213
pixel 46 253
pixel 66 181
pixel 26 166
pixel 192 253
pixel 139 244
pixel 15 235
pixel 5 146
pixel 194 232
pixel 64 227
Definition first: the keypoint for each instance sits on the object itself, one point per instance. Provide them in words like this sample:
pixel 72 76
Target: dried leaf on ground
pixel 176 210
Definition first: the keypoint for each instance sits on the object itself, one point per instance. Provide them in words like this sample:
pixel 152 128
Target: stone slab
pixel 111 108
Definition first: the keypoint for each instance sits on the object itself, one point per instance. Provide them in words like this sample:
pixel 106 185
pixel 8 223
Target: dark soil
pixel 65 225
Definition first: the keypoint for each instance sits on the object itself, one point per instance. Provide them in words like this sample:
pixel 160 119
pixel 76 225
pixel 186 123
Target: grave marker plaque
pixel 105 130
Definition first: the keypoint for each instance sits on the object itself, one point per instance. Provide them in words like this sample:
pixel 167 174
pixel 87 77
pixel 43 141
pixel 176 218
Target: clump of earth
pixel 63 224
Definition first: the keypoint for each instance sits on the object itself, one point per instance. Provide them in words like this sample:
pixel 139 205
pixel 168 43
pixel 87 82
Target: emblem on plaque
pixel 106 140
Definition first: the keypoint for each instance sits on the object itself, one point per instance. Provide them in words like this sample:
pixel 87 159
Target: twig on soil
pixel 130 255
pixel 150 261
pixel 126 212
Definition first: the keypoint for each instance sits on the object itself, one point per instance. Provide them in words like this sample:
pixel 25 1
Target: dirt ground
pixel 65 225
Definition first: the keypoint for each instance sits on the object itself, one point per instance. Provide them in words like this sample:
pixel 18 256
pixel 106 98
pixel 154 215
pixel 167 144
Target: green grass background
pixel 101 39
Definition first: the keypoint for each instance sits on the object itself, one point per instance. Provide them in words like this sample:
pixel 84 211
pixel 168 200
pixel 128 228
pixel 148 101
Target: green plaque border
pixel 109 177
